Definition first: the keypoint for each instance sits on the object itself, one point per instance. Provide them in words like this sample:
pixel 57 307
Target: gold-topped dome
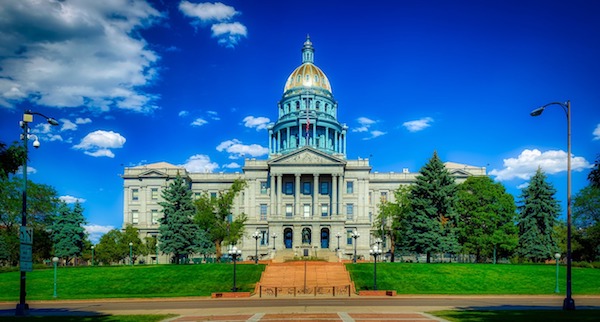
pixel 307 74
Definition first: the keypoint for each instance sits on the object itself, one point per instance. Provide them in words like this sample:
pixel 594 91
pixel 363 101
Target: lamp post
pixel 568 303
pixel 355 236
pixel 557 257
pixel 130 253
pixel 93 254
pixel 234 252
pixel 157 253
pixel 274 236
pixel 338 236
pixel 25 263
pixel 54 262
pixel 256 237
pixel 376 251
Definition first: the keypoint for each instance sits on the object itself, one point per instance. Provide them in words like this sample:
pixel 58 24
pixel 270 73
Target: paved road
pixel 255 305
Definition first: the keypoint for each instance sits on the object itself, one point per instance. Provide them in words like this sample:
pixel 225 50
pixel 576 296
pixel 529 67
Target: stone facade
pixel 306 195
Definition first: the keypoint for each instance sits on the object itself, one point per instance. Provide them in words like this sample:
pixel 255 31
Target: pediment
pixel 153 174
pixel 307 156
pixel 459 173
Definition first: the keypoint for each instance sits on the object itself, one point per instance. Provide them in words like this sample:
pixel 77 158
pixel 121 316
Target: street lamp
pixel 130 253
pixel 93 255
pixel 557 257
pixel 25 263
pixel 338 235
pixel 274 236
pixel 376 251
pixel 234 252
pixel 55 262
pixel 568 303
pixel 355 236
pixel 256 236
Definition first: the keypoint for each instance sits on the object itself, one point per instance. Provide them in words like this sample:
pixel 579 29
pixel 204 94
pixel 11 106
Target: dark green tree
pixel 538 214
pixel 433 218
pixel 391 221
pixel 68 234
pixel 214 215
pixel 11 158
pixel 594 175
pixel 111 248
pixel 4 251
pixel 131 235
pixel 586 219
pixel 487 219
pixel 178 232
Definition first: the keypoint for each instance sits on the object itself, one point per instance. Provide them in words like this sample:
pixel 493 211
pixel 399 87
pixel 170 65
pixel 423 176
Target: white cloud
pixel 375 134
pixel 232 165
pixel 207 12
pixel 214 115
pixel 526 164
pixel 236 149
pixel 77 53
pixel 418 125
pixel 183 113
pixel 67 125
pixel 30 170
pixel 596 133
pixel 71 199
pixel 99 143
pixel 219 15
pixel 80 120
pixel 95 232
pixel 260 123
pixel 365 123
pixel 199 122
pixel 200 163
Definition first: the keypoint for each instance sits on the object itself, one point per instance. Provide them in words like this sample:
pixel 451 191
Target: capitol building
pixel 307 197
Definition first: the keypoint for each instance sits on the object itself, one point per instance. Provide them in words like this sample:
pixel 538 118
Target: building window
pixel 324 210
pixel 135 217
pixel 264 237
pixel 196 195
pixel 135 194
pixel 306 188
pixel 306 210
pixel 324 188
pixel 154 218
pixel 289 212
pixel 288 188
pixel 350 211
pixel 384 196
pixel 263 211
pixel 154 193
pixel 263 187
pixel 349 237
pixel 370 199
pixel 213 195
pixel 350 187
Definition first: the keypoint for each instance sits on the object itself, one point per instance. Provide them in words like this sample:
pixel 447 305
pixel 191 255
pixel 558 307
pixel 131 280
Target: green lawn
pixel 519 316
pixel 131 281
pixel 412 278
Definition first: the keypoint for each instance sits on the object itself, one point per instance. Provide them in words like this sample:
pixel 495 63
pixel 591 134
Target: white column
pixel 270 141
pixel 279 192
pixel 297 195
pixel 278 141
pixel 273 191
pixel 341 193
pixel 334 194
pixel 315 194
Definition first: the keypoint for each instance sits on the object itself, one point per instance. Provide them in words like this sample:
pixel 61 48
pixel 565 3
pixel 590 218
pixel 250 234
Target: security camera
pixel 36 144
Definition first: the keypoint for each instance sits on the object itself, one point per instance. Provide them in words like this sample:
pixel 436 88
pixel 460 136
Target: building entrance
pixel 325 238
pixel 288 237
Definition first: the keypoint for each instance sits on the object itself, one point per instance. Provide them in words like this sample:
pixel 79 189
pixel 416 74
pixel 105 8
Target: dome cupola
pixel 307 75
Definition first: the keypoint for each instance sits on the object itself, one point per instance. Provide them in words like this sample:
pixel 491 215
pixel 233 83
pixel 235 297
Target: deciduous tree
pixel 538 213
pixel 391 221
pixel 214 215
pixel 487 218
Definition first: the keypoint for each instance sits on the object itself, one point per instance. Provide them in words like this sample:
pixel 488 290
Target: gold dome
pixel 307 75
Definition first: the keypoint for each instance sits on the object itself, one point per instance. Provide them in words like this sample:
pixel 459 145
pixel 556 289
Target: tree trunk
pixel 218 251
pixel 428 258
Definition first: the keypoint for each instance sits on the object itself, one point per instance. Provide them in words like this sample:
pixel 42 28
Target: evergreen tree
pixel 433 220
pixel 178 232
pixel 214 215
pixel 537 216
pixel 487 222
pixel 68 234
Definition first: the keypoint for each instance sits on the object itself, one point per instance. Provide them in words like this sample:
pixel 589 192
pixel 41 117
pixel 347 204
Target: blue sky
pixel 195 84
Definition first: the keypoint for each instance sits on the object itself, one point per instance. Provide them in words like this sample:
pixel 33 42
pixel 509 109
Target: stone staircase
pixel 286 255
pixel 299 278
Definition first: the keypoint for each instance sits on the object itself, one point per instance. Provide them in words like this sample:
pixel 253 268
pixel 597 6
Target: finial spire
pixel 308 52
